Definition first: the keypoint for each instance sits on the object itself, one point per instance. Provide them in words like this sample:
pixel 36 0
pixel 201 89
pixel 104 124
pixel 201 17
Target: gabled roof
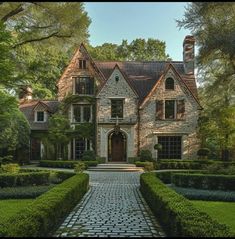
pixel 144 75
pixel 27 107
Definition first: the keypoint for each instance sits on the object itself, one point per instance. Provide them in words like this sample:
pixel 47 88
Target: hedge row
pixel 204 181
pixel 46 212
pixel 24 179
pixel 65 164
pixel 177 214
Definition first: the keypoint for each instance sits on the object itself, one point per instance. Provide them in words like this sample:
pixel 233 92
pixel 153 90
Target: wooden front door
pixel 117 147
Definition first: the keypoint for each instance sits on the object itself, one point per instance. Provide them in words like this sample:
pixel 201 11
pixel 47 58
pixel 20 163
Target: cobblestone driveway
pixel 113 207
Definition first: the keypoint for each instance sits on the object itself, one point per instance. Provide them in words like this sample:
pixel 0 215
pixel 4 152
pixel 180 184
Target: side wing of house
pixel 169 116
pixel 117 104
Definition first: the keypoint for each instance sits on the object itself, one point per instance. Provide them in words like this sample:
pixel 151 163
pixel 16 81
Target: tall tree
pixel 213 26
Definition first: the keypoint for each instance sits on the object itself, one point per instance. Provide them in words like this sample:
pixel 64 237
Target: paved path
pixel 113 207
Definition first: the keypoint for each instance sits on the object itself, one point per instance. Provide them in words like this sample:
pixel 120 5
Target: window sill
pixel 39 121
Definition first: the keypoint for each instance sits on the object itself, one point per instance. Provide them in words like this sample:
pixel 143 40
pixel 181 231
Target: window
pixel 40 116
pixel 84 85
pixel 82 113
pixel 81 145
pixel 117 108
pixel 171 147
pixel 169 84
pixel 169 109
pixel 82 64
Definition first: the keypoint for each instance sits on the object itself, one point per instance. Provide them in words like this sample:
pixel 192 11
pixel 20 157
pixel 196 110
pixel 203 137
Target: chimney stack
pixel 26 92
pixel 188 54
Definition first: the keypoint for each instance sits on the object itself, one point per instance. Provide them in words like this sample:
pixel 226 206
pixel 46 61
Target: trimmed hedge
pixel 65 164
pixel 24 179
pixel 177 214
pixel 24 192
pixel 46 212
pixel 141 164
pixel 204 181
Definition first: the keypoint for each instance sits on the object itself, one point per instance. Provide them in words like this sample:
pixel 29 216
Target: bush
pixel 6 159
pixel 46 212
pixel 101 159
pixel 204 181
pixel 203 152
pixel 59 176
pixel 65 164
pixel 10 168
pixel 207 195
pixel 79 167
pixel 24 179
pixel 148 166
pixel 177 214
pixel 88 155
pixel 158 147
pixel 145 155
pixel 219 168
pixel 24 192
pixel 133 159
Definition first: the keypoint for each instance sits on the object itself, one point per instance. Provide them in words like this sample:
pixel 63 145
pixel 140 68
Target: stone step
pixel 116 165
pixel 106 169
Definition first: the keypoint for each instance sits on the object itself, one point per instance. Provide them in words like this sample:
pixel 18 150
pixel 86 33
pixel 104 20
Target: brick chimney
pixel 188 54
pixel 26 93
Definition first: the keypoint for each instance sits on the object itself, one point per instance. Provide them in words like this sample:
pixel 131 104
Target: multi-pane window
pixel 171 147
pixel 169 109
pixel 81 145
pixel 84 85
pixel 117 108
pixel 82 113
pixel 169 84
pixel 82 64
pixel 40 116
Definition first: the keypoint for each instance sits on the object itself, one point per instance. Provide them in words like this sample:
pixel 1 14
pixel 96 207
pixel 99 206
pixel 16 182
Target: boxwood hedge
pixel 204 181
pixel 46 212
pixel 65 164
pixel 177 214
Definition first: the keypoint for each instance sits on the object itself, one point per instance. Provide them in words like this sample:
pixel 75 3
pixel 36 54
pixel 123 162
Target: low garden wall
pixel 177 214
pixel 47 211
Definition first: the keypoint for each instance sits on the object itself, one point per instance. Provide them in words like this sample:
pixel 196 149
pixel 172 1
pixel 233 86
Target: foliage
pixel 138 50
pixel 88 155
pixel 10 168
pixel 203 152
pixel 219 168
pixel 100 159
pixel 79 167
pixel 24 179
pixel 213 26
pixel 177 214
pixel 45 213
pixel 24 192
pixel 133 159
pixel 204 181
pixel 65 164
pixel 145 155
pixel 205 195
pixel 148 166
pixel 158 147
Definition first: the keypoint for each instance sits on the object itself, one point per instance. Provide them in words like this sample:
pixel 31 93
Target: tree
pixel 138 50
pixel 213 26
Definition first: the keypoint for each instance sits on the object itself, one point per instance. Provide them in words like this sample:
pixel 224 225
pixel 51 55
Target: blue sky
pixel 114 21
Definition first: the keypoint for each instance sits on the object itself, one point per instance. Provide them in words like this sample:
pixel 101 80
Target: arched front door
pixel 117 147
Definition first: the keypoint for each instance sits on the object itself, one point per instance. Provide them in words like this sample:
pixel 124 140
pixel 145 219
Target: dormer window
pixel 169 84
pixel 82 64
pixel 40 116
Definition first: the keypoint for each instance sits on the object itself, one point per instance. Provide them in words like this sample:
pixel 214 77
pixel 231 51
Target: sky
pixel 114 21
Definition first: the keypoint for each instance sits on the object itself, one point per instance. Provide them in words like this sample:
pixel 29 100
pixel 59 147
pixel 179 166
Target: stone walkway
pixel 113 207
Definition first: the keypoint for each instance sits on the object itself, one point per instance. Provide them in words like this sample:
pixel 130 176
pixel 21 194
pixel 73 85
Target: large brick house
pixel 135 105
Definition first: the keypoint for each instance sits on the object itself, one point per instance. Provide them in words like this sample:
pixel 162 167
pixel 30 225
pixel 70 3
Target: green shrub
pixel 141 164
pixel 203 152
pixel 207 195
pixel 219 168
pixel 204 181
pixel 79 167
pixel 133 159
pixel 24 179
pixel 158 147
pixel 179 164
pixel 24 192
pixel 149 166
pixel 145 155
pixel 10 168
pixel 177 214
pixel 101 159
pixel 6 159
pixel 88 155
pixel 65 164
pixel 46 212
pixel 59 176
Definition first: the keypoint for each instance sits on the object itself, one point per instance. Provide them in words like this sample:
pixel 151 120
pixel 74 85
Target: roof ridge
pixel 97 61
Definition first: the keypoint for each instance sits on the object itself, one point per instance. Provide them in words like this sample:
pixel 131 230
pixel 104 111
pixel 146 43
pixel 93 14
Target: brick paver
pixel 113 207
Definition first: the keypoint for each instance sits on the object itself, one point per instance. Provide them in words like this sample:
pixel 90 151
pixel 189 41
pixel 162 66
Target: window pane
pixel 169 84
pixel 171 147
pixel 79 148
pixel 169 109
pixel 40 116
pixel 77 113
pixel 86 113
pixel 84 85
pixel 117 108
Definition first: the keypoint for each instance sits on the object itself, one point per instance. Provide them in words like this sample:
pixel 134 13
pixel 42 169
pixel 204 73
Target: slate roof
pixel 144 75
pixel 27 108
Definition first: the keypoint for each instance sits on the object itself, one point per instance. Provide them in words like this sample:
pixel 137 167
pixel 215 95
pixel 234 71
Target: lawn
pixel 10 207
pixel 223 212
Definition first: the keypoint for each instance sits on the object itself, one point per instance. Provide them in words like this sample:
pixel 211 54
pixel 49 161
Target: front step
pixel 116 168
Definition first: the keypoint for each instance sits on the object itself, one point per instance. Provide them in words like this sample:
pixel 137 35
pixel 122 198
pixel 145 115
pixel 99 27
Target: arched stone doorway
pixel 117 147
